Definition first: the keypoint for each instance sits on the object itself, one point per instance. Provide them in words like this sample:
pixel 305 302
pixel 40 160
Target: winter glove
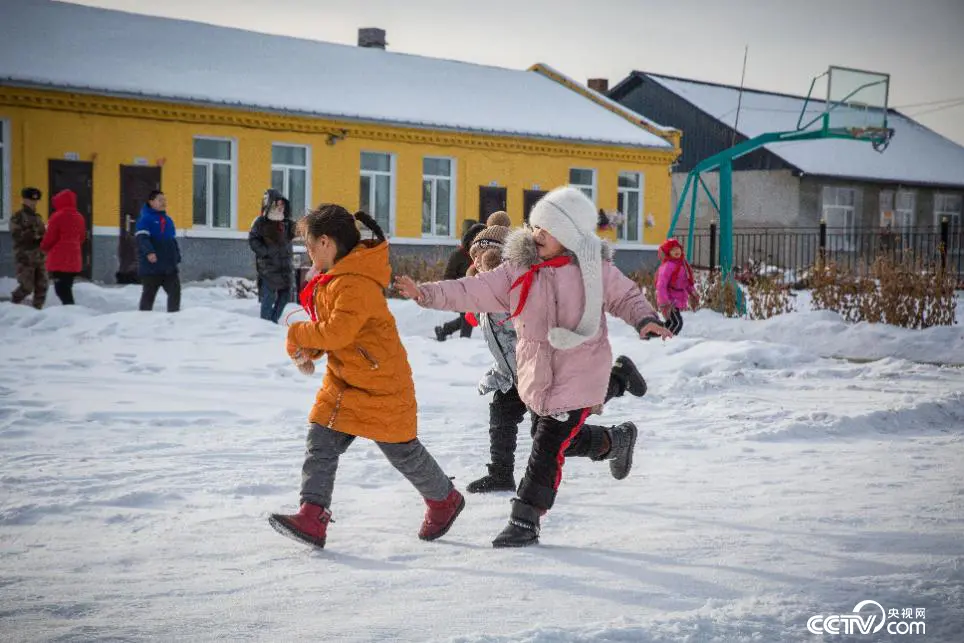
pixel 304 358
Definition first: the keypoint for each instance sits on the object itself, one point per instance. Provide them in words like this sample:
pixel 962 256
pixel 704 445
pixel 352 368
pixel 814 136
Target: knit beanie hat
pixel 486 250
pixel 500 218
pixel 568 215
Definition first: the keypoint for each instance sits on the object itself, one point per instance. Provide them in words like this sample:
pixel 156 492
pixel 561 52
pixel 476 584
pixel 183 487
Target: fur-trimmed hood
pixel 521 250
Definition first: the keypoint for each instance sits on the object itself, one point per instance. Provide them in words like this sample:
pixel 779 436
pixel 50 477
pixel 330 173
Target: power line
pixel 933 102
pixel 959 103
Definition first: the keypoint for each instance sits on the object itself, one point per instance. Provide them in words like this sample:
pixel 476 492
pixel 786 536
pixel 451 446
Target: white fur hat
pixel 568 215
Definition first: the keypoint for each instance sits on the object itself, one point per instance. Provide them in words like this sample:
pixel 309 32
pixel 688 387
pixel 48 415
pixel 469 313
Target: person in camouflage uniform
pixel 27 230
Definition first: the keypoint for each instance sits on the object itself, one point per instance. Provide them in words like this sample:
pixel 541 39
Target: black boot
pixel 500 478
pixel 440 334
pixel 622 441
pixel 523 527
pixel 625 370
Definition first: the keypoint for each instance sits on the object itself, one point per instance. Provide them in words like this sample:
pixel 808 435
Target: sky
pixel 920 43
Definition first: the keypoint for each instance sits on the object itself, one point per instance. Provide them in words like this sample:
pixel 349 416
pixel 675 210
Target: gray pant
pixel 412 460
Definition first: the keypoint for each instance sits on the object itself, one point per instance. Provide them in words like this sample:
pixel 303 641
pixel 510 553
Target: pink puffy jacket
pixel 550 380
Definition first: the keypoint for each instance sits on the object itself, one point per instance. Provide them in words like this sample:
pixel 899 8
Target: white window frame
pixel 6 197
pixel 836 208
pixel 210 163
pixel 940 210
pixel 391 185
pixel 624 227
pixel 434 178
pixel 583 186
pixel 286 169
pixel 905 217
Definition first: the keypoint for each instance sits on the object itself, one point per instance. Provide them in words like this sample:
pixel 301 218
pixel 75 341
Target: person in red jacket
pixel 65 236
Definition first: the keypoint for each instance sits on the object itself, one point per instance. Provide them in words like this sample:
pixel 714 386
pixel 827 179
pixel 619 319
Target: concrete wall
pixel 760 198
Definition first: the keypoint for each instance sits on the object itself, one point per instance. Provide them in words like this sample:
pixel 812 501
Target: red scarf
pixel 307 296
pixel 680 264
pixel 530 275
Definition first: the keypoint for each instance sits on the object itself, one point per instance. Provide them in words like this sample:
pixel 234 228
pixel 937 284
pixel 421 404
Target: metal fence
pixel 796 249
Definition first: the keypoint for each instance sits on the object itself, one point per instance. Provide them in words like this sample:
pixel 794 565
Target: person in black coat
pixel 270 239
pixel 457 266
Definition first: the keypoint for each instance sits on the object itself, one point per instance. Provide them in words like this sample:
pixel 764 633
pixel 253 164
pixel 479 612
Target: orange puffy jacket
pixel 368 389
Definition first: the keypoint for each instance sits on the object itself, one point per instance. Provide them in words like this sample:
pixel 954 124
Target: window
pixel 898 212
pixel 629 201
pixel 290 170
pixel 840 211
pixel 585 180
pixel 6 205
pixel 906 213
pixel 377 188
pixel 438 197
pixel 948 205
pixel 214 182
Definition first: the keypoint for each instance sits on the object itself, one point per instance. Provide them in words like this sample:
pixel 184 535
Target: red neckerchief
pixel 530 275
pixel 680 264
pixel 307 296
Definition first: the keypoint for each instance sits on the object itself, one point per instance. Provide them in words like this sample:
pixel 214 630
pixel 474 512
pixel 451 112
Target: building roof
pixel 916 154
pixel 102 51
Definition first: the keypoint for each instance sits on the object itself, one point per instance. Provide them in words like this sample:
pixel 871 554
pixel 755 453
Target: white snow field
pixel 140 454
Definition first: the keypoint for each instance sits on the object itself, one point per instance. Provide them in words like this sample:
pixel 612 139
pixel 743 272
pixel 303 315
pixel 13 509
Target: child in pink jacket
pixel 674 284
pixel 558 281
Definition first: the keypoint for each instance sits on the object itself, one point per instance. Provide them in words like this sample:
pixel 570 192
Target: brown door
pixel 136 183
pixel 529 199
pixel 79 177
pixel 490 200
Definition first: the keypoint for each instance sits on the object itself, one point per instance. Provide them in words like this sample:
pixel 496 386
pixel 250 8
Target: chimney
pixel 600 85
pixel 371 37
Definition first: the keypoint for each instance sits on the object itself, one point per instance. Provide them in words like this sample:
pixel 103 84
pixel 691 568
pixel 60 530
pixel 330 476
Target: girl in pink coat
pixel 674 284
pixel 558 282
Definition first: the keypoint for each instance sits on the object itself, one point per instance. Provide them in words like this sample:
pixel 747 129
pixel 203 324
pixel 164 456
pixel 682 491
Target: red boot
pixel 440 515
pixel 309 525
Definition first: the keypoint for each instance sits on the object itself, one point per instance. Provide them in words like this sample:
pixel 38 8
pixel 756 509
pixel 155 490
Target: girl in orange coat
pixel 368 389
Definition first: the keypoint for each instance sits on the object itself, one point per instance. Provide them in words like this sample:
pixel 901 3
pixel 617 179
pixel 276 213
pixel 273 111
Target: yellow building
pixel 113 105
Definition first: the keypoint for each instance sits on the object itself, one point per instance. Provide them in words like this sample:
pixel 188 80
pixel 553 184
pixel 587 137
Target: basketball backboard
pixel 856 102
pixel 857 98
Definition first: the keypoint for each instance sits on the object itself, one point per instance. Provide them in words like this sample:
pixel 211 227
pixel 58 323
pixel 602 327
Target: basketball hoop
pixel 879 137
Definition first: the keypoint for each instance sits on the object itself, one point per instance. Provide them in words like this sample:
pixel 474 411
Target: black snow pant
pixel 171 285
pixel 460 324
pixel 553 440
pixel 64 286
pixel 674 323
pixel 506 412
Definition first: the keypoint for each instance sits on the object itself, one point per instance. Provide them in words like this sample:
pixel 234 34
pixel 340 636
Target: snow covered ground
pixel 141 453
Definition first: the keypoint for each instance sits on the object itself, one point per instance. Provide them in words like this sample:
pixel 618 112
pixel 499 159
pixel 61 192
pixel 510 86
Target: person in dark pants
pixel 159 254
pixel 507 410
pixel 27 231
pixel 458 265
pixel 563 355
pixel 63 242
pixel 675 287
pixel 270 239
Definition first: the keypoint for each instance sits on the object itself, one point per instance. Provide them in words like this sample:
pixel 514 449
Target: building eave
pixel 87 100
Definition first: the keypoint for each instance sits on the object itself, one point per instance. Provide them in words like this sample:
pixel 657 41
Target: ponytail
pixel 370 223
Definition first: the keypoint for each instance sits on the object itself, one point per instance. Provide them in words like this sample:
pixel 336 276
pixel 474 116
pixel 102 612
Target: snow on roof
pixel 103 51
pixel 608 102
pixel 916 153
